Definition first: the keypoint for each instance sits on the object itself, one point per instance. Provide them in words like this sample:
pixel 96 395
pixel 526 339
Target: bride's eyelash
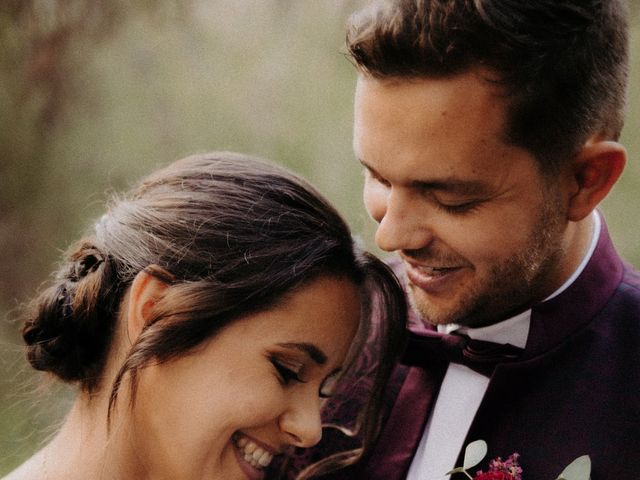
pixel 286 374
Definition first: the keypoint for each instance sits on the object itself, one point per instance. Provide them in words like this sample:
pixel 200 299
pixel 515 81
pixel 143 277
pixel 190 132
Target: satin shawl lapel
pixel 555 320
pixel 399 440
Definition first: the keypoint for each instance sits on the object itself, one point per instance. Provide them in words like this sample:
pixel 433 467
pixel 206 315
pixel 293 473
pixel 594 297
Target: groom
pixel 488 133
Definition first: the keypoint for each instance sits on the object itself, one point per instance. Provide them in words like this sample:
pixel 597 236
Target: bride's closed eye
pixel 287 371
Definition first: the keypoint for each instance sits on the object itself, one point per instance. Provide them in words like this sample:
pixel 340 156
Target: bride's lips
pixel 432 279
pixel 252 455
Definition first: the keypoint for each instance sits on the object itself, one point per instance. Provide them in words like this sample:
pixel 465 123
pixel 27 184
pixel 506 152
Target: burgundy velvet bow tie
pixel 481 356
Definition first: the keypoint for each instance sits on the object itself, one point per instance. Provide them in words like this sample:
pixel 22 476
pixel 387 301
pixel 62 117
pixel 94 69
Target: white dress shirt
pixel 463 389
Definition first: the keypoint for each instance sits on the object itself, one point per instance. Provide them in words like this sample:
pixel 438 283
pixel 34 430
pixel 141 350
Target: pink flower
pixel 510 468
pixel 499 470
pixel 493 476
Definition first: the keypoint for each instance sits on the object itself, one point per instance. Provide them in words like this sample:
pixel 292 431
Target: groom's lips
pixel 433 279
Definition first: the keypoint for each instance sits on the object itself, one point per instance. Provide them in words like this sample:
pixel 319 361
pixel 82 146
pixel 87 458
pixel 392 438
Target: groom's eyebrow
pixel 310 349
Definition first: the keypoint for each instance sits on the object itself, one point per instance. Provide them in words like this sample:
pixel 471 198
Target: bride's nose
pixel 301 422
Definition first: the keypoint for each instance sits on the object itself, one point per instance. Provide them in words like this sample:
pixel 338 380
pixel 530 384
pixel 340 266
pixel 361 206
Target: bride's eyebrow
pixel 310 349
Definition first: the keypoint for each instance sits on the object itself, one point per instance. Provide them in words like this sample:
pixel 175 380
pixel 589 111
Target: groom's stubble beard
pixel 514 284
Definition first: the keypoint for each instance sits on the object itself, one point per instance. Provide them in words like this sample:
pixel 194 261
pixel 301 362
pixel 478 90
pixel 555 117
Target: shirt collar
pixel 514 330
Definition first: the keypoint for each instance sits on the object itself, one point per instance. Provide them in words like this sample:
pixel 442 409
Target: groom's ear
pixel 145 291
pixel 594 171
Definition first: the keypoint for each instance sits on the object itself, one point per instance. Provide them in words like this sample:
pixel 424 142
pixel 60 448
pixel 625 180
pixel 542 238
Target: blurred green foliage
pixel 97 94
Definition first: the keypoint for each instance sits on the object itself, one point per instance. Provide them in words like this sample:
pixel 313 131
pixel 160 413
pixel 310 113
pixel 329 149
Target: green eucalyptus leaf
pixel 474 453
pixel 456 470
pixel 579 469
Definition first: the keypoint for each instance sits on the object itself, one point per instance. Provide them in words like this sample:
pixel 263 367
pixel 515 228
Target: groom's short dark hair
pixel 562 63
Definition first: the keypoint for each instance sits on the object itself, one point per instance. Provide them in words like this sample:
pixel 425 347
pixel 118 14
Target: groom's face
pixel 480 230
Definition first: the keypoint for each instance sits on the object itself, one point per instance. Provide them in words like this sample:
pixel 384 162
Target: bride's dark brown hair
pixel 232 235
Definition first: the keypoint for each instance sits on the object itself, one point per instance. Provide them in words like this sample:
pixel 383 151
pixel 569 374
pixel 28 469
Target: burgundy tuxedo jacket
pixel 574 391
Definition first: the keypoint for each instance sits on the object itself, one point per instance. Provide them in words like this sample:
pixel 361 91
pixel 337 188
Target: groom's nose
pixel 402 223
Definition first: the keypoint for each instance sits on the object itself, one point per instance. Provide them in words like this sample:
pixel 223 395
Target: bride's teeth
pixel 257 453
pixel 265 459
pixel 254 455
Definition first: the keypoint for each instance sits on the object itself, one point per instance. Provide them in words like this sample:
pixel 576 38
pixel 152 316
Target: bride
pixel 204 318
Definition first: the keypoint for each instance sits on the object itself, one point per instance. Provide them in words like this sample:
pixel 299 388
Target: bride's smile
pixel 252 453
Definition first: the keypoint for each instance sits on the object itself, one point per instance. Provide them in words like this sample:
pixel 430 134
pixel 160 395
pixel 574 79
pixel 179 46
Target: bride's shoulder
pixel 32 469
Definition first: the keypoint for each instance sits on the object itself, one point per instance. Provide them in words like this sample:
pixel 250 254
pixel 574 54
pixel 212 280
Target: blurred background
pixel 96 93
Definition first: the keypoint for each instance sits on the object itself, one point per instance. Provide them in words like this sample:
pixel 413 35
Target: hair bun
pixel 68 329
pixel 48 335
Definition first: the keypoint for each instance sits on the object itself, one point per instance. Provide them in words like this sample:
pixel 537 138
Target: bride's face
pixel 246 395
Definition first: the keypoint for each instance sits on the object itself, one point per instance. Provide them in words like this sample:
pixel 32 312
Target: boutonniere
pixel 509 469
